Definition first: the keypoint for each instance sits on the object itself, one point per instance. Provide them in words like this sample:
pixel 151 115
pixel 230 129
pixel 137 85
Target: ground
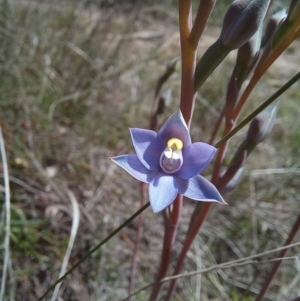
pixel 74 77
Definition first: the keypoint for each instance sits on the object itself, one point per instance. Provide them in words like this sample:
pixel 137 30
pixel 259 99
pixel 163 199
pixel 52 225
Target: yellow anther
pixel 175 144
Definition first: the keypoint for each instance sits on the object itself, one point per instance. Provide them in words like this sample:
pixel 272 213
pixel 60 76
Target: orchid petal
pixel 175 127
pixel 145 165
pixel 148 147
pixel 133 166
pixel 196 157
pixel 200 189
pixel 162 191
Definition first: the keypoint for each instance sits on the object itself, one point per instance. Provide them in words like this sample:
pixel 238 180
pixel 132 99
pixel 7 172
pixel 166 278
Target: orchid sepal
pixel 170 163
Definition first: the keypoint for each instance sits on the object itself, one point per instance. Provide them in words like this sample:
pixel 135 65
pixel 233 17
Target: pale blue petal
pixel 175 127
pixel 200 189
pixel 196 157
pixel 162 191
pixel 133 166
pixel 148 147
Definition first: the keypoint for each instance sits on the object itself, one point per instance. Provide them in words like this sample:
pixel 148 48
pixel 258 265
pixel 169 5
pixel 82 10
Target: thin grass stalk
pixel 263 106
pixel 93 250
pixel 143 189
pixel 74 230
pixel 277 264
pixel 238 262
pixel 6 243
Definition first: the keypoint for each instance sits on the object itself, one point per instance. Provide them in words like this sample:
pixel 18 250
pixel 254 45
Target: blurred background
pixel 74 75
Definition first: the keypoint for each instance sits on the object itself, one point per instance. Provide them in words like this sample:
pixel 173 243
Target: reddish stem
pixel 260 70
pixel 171 225
pixel 189 42
pixel 277 264
pixel 188 58
pixel 217 127
pixel 153 124
pixel 143 187
pixel 198 219
pixel 264 65
pixel 204 10
pixel 188 61
pixel 186 246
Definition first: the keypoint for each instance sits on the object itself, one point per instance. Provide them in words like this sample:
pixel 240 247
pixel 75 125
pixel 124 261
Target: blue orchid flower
pixel 170 163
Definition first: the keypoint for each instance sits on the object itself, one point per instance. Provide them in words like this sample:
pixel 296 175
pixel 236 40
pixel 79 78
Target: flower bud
pixel 259 129
pixel 241 21
pixel 262 125
pixel 293 18
pixel 234 182
pixel 272 25
pixel 164 100
pixel 250 49
pixel 247 57
pixel 172 66
pixel 231 171
pixel 231 98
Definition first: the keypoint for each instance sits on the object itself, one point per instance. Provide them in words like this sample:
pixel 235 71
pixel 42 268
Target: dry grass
pixel 73 79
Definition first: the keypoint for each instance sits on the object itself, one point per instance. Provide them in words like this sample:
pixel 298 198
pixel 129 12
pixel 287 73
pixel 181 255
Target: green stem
pixel 197 223
pixel 105 240
pixel 259 109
